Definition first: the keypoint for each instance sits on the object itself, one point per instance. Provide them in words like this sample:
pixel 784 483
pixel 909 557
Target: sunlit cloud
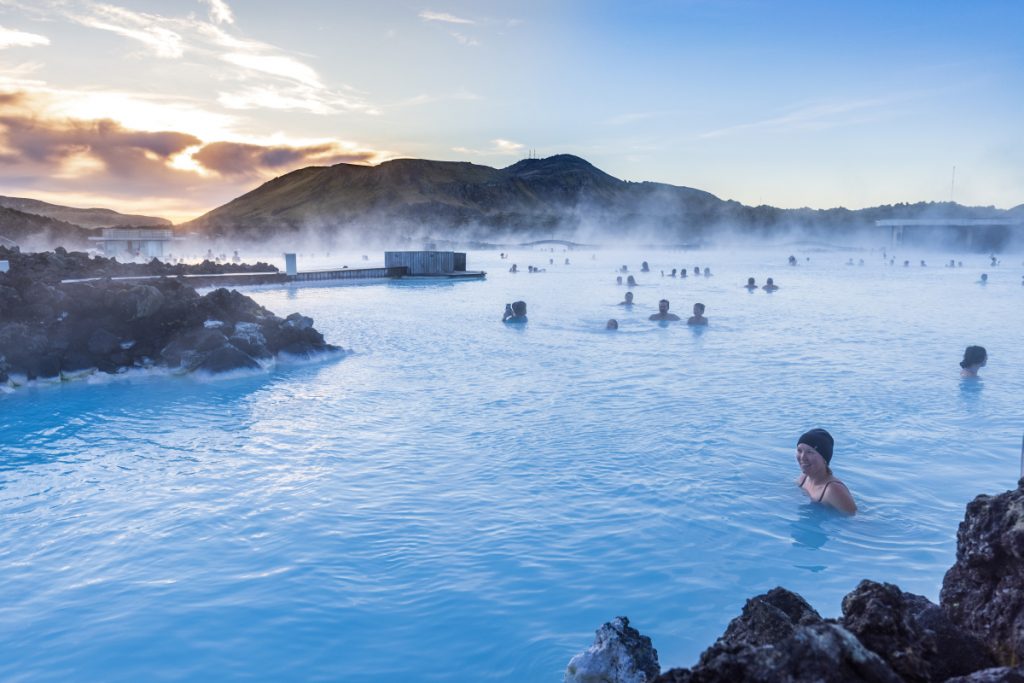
pixel 234 159
pixel 427 15
pixel 816 116
pixel 46 153
pixel 265 76
pixel 145 28
pixel 276 65
pixel 220 13
pixel 13 38
pixel 501 147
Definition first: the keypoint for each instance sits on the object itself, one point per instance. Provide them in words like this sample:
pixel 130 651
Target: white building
pixel 132 242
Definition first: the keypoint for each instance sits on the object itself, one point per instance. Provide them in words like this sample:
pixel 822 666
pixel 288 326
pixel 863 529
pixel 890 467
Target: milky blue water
pixel 460 500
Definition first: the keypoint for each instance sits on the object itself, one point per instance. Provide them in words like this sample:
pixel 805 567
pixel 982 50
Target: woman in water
pixel 975 358
pixel 813 454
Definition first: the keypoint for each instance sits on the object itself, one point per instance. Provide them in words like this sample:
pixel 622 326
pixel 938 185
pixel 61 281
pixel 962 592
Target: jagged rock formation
pixel 886 634
pixel 911 633
pixel 619 655
pixel 984 589
pixel 54 330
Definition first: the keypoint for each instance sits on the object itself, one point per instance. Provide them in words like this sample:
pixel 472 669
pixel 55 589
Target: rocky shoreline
pixel 885 635
pixel 52 329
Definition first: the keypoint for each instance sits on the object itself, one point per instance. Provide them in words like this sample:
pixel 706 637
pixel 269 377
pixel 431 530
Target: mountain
pixel 86 218
pixel 563 194
pixel 35 232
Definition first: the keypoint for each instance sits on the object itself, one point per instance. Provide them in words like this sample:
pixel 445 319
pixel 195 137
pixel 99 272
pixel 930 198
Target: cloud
pixel 465 40
pixel 145 28
pixel 233 158
pixel 815 116
pixel 276 65
pixel 14 38
pixel 264 75
pixel 220 13
pixel 427 15
pixel 502 147
pixel 102 162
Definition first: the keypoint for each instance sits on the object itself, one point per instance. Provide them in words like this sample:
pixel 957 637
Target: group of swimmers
pixel 769 285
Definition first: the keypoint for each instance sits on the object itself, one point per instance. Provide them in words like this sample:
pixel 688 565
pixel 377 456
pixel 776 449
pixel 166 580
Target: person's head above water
pixel 519 307
pixel 974 356
pixel 629 298
pixel 612 324
pixel 820 440
pixel 663 306
pixel 698 309
pixel 750 282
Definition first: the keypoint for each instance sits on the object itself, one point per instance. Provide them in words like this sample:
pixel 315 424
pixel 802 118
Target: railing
pixel 351 274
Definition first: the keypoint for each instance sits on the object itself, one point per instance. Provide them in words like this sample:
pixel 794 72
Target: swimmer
pixel 813 454
pixel 696 270
pixel 673 273
pixel 850 262
pixel 792 260
pixel 514 269
pixel 623 269
pixel 567 261
pixel 628 301
pixel 663 313
pixel 751 285
pixel 984 279
pixel 770 285
pixel 682 272
pixel 631 281
pixel 707 272
pixel 975 358
pixel 923 264
pixel 618 280
pixel 644 268
pixel 612 324
pixel 698 315
pixel 515 313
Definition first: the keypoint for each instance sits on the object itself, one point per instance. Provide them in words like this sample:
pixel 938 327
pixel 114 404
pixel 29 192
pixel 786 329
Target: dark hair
pixel 974 355
pixel 519 307
pixel 700 306
pixel 663 301
pixel 750 280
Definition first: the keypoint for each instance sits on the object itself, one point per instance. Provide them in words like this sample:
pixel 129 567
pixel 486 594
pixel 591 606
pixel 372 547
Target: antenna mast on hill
pixel 952 185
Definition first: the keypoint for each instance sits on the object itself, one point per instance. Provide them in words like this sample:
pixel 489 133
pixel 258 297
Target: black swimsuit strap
pixel 824 488
pixel 801 484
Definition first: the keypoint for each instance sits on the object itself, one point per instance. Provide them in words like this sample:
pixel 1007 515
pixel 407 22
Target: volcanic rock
pixel 984 590
pixel 911 633
pixel 620 654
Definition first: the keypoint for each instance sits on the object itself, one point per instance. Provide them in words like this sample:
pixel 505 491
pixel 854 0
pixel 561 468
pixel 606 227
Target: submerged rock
pixel 620 654
pixel 984 590
pixel 911 633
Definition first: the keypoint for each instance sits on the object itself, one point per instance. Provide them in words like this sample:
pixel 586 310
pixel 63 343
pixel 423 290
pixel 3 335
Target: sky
pixel 174 107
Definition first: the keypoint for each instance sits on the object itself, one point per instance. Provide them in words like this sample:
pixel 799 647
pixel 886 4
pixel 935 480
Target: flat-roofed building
pixel 148 242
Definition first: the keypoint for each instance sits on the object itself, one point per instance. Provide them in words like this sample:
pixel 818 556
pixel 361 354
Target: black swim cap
pixel 819 440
